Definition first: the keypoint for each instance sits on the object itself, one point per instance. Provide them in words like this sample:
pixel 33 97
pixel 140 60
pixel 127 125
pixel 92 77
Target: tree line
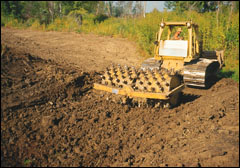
pixel 202 6
pixel 205 6
pixel 47 11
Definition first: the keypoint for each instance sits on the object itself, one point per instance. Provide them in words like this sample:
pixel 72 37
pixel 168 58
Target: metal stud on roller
pixel 146 81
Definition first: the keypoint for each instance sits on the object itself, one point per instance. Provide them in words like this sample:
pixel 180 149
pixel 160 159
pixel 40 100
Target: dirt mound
pixel 86 51
pixel 44 80
pixel 29 82
pixel 51 116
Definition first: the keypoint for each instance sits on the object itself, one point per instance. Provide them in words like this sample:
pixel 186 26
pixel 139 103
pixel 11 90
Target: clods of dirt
pixel 52 116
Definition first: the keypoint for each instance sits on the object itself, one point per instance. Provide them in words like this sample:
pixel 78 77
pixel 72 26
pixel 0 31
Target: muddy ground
pixel 51 115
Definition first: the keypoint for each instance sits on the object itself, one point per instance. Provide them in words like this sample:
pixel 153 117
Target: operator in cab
pixel 177 35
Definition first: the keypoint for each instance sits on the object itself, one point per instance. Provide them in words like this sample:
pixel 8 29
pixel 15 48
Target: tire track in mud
pixel 51 116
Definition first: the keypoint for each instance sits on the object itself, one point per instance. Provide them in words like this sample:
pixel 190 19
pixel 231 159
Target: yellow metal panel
pixel 160 33
pixel 149 95
pixel 190 42
pixel 176 23
pixel 179 24
pixel 128 91
pixel 157 57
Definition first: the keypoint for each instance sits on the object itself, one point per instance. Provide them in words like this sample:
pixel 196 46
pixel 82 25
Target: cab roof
pixel 180 23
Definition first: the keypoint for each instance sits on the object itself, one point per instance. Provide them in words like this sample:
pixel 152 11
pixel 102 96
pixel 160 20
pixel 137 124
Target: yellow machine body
pixel 175 64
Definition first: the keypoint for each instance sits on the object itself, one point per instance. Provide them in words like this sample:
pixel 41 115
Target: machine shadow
pixel 186 98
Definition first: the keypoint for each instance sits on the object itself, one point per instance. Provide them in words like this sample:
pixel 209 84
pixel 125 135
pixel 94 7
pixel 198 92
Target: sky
pixel 154 4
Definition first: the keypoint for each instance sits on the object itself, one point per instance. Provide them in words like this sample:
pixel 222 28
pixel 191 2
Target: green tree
pixel 67 7
pixel 199 6
pixel 138 8
pixel 89 6
pixel 12 8
pixel 100 8
pixel 119 9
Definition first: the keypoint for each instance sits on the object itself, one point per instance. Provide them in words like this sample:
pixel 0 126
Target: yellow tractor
pixel 161 79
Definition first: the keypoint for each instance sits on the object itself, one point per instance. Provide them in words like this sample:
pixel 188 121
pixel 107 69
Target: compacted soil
pixel 52 116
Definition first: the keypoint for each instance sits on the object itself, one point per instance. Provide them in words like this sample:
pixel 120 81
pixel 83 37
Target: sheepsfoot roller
pixel 177 62
pixel 157 87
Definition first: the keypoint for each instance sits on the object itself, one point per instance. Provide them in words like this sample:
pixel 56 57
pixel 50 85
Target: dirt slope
pixel 86 51
pixel 51 116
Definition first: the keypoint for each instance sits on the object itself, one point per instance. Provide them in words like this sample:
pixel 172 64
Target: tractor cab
pixel 185 49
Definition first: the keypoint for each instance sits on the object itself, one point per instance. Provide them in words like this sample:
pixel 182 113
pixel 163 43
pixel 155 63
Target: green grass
pixel 235 76
pixel 227 73
pixel 27 161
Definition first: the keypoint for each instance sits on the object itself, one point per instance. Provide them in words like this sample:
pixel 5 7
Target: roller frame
pixel 128 91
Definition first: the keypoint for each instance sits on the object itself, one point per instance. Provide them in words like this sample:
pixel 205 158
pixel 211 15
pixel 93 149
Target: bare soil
pixel 51 115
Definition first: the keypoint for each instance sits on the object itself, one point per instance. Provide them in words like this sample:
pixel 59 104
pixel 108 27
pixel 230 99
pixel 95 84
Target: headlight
pixel 188 24
pixel 162 24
